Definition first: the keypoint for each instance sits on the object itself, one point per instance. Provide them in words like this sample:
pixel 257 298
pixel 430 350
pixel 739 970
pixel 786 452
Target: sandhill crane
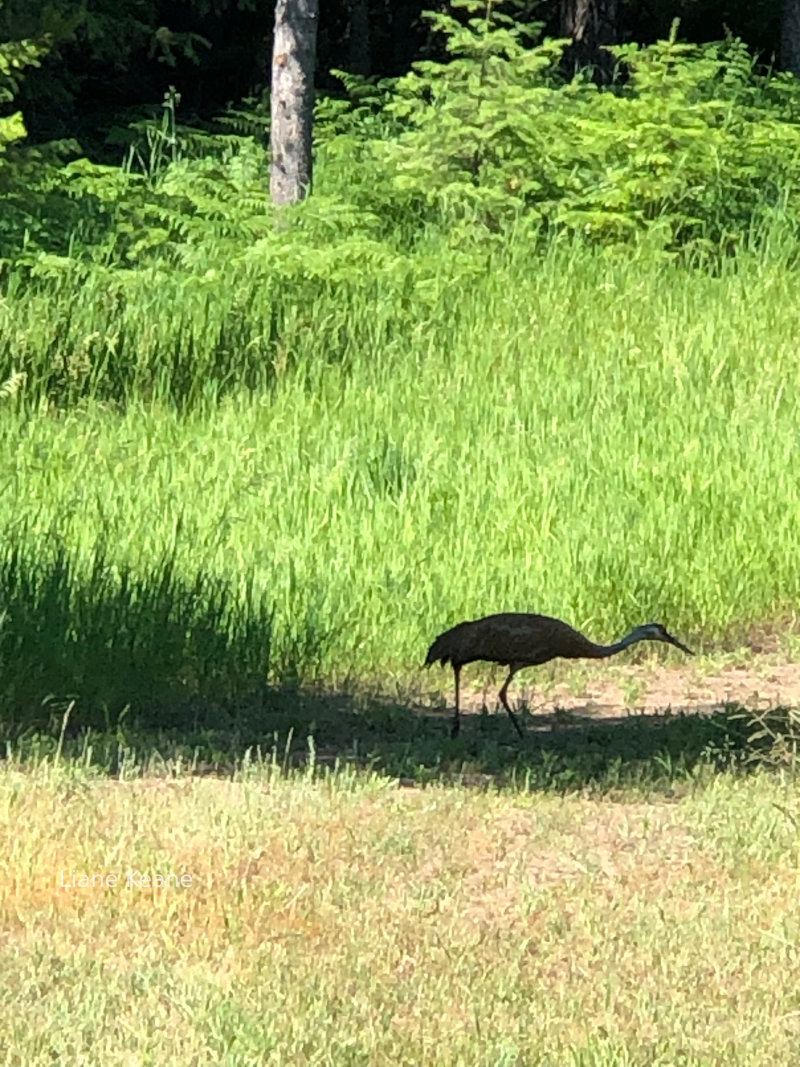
pixel 517 641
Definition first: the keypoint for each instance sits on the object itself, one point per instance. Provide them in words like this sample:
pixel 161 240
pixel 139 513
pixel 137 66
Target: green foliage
pixel 349 132
pixel 16 56
pixel 46 26
pixel 428 354
pixel 12 129
pixel 476 131
pixel 27 176
pixel 399 361
pixel 692 144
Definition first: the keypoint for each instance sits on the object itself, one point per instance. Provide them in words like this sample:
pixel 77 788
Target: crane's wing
pixel 509 638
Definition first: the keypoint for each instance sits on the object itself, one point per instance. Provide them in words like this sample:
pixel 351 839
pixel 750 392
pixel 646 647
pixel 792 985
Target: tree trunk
pixel 790 36
pixel 359 50
pixel 591 24
pixel 292 100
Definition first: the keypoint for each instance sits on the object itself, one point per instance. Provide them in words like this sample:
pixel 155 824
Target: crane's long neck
pixel 603 651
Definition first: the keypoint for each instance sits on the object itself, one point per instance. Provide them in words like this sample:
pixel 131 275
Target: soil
pixel 761 683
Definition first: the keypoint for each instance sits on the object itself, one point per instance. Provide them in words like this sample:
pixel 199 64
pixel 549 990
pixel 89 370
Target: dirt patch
pixel 761 683
pixel 683 688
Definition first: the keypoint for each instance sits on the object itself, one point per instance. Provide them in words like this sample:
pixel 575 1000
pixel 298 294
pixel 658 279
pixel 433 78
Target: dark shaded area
pixel 149 648
pixel 561 751
pixel 118 57
pixel 290 730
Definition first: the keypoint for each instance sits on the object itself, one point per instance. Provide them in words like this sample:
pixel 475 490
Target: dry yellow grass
pixel 348 921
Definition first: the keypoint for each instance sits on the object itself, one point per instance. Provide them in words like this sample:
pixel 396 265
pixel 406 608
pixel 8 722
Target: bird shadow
pixel 292 729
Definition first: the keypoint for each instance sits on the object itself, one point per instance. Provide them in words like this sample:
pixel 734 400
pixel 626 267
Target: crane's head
pixel 654 631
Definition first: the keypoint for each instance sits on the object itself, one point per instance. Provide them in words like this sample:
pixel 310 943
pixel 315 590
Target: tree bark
pixel 591 24
pixel 405 35
pixel 790 36
pixel 292 99
pixel 359 49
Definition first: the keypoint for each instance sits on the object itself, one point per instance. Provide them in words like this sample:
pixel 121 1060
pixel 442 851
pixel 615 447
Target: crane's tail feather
pixel 432 658
pixel 441 650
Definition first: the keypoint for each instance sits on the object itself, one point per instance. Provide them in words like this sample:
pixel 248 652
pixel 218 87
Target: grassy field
pixel 252 464
pixel 341 920
pixel 601 439
pixel 231 526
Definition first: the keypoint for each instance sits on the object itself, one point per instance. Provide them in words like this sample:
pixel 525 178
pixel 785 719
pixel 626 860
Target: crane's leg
pixel 456 718
pixel 506 705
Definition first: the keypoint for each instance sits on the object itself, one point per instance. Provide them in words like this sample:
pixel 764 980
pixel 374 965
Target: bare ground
pixel 764 681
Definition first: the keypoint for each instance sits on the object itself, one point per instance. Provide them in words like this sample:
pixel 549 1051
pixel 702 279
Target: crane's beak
pixel 674 641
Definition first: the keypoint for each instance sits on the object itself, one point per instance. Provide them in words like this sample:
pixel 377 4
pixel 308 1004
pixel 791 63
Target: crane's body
pixel 517 641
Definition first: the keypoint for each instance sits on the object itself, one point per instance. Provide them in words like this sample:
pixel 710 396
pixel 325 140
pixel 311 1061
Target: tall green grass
pixel 606 439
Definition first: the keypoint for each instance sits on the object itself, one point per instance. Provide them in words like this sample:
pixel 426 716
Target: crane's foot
pixel 517 726
pixel 455 728
pixel 514 719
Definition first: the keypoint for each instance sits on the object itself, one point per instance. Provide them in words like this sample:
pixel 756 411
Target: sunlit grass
pixel 348 921
pixel 608 441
